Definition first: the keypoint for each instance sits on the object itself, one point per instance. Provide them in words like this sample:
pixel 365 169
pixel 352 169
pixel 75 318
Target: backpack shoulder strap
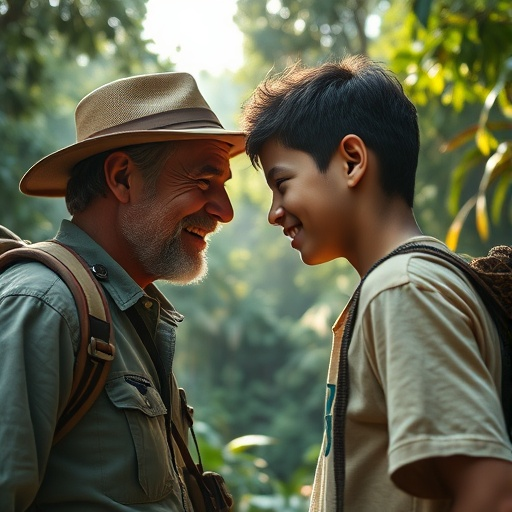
pixel 97 347
pixel 471 269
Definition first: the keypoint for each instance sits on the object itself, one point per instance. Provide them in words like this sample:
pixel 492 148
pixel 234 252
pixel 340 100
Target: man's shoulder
pixel 33 279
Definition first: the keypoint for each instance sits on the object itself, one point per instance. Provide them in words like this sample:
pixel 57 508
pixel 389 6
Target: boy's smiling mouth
pixel 292 231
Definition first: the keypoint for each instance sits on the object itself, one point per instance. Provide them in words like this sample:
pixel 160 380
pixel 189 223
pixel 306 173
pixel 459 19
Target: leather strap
pixel 97 346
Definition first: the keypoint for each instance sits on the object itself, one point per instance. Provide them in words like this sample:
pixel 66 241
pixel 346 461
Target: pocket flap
pixel 131 391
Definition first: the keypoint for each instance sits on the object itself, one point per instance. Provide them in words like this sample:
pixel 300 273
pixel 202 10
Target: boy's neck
pixel 381 233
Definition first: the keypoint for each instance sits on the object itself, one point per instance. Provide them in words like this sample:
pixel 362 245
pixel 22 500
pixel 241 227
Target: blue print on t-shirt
pixel 331 392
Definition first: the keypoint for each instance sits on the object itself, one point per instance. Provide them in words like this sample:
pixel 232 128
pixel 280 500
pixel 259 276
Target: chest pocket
pixel 145 412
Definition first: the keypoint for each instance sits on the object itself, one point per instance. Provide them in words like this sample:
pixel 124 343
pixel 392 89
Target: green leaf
pixel 494 164
pixel 470 160
pixel 421 9
pixel 241 444
pixel 453 234
pixel 482 219
pixel 500 196
pixel 485 141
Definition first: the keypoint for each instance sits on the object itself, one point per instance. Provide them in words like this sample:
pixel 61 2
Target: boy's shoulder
pixel 418 269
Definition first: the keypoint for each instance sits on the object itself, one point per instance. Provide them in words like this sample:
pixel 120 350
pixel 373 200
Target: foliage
pixel 460 54
pixel 312 29
pixel 54 53
pixel 281 32
pixel 251 482
pixel 35 31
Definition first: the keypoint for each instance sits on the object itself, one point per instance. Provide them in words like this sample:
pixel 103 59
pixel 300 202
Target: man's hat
pixel 147 108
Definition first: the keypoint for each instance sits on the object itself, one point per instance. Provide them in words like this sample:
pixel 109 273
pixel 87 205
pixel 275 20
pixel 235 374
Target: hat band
pixel 182 119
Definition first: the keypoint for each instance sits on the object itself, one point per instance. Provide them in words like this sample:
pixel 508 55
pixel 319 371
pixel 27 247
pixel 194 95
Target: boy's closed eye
pixel 279 182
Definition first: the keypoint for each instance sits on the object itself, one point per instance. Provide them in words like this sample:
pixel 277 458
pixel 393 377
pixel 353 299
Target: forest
pixel 254 348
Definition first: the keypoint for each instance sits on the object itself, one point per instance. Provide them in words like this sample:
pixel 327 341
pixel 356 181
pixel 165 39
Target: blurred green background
pixel 254 349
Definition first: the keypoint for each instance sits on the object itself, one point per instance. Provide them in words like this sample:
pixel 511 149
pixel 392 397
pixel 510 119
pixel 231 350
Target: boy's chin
pixel 313 259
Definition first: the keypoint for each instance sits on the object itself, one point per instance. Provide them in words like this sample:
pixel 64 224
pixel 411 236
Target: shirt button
pixel 148 304
pixel 100 271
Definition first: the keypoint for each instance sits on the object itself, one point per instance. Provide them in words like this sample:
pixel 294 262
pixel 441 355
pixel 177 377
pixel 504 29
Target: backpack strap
pixel 496 308
pixel 96 348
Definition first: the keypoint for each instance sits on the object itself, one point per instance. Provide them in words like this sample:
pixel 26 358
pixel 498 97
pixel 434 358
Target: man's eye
pixel 203 184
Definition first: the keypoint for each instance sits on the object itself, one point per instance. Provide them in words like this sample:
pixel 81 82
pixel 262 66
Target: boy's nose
pixel 276 215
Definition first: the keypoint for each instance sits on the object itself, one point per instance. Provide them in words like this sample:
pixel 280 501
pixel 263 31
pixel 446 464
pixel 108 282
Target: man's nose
pixel 220 207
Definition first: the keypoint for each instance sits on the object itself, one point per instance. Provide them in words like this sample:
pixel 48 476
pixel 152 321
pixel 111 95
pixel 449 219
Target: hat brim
pixel 49 176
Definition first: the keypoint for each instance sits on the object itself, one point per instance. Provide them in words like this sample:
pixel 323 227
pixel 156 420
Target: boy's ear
pixel 355 154
pixel 118 168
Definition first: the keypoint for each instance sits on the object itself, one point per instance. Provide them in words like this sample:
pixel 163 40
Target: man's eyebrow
pixel 211 170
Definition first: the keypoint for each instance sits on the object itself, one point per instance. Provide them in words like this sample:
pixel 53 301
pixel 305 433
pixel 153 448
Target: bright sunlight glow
pixel 195 34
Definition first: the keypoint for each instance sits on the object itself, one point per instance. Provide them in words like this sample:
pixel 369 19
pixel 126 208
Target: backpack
pixel 96 351
pixel 491 276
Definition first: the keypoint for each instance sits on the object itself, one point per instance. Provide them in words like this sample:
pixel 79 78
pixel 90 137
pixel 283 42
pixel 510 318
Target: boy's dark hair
pixel 313 109
pixel 87 180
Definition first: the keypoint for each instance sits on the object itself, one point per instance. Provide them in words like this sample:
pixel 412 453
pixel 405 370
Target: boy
pixel 423 429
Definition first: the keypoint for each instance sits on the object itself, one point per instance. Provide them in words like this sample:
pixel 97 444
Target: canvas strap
pixel 96 348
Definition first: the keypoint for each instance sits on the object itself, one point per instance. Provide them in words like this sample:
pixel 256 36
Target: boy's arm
pixel 437 376
pixel 477 484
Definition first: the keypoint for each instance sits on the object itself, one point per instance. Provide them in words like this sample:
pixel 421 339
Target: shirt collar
pixel 125 292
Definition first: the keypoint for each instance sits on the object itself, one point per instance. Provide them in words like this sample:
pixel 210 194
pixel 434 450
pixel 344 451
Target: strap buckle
pixel 100 349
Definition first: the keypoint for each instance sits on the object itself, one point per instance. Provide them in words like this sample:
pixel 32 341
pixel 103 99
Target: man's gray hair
pixel 87 181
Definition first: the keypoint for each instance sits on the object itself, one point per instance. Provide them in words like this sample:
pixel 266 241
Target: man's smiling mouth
pixel 197 231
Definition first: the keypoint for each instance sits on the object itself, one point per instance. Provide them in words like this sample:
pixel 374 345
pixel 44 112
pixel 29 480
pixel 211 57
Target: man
pixel 145 185
pixel 414 421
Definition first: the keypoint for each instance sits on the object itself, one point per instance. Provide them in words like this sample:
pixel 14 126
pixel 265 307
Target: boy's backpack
pixel 96 351
pixel 491 276
pixel 97 347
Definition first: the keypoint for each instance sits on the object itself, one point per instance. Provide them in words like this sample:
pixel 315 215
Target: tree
pixel 284 29
pixel 34 31
pixel 54 53
pixel 460 53
pixel 280 32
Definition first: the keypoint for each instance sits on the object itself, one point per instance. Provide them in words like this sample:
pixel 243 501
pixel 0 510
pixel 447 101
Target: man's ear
pixel 118 168
pixel 355 154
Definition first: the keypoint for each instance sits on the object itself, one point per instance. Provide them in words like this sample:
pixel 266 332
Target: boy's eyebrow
pixel 272 173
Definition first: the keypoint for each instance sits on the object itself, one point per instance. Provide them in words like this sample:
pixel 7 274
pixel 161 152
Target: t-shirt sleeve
pixel 441 398
pixel 36 368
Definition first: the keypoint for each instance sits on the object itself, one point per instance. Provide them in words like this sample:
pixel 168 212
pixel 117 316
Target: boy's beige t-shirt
pixel 425 372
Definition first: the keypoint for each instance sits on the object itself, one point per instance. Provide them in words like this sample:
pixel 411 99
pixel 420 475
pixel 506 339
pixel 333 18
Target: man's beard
pixel 163 255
